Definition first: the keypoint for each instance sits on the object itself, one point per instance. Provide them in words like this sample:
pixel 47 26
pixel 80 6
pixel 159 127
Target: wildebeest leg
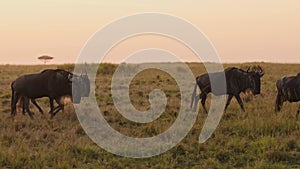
pixel 203 97
pixel 197 98
pixel 194 95
pixel 56 111
pixel 279 102
pixel 22 103
pixel 58 108
pixel 14 99
pixel 228 101
pixel 238 98
pixel 37 106
pixel 51 106
pixel 26 105
pixel 12 105
pixel 58 101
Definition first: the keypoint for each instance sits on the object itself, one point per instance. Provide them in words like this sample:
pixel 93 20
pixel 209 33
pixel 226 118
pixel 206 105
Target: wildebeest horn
pixel 248 69
pixel 70 77
pixel 261 71
pixel 259 68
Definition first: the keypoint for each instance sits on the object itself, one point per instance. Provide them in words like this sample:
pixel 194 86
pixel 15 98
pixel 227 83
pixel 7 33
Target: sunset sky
pixel 240 30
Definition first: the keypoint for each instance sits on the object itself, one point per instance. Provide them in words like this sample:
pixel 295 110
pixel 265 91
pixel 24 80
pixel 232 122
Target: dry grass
pixel 255 139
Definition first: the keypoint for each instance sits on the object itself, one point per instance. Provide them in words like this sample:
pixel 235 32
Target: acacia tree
pixel 45 58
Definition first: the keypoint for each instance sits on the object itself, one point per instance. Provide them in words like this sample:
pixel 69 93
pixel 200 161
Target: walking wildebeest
pixel 237 81
pixel 53 84
pixel 288 89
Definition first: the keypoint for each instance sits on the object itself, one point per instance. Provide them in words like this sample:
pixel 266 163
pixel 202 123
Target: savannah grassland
pixel 255 139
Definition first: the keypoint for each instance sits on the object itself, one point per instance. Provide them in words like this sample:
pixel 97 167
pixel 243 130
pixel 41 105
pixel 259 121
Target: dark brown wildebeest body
pixel 237 81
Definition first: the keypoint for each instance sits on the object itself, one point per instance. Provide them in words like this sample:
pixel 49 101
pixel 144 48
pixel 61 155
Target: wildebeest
pixel 53 84
pixel 237 81
pixel 288 89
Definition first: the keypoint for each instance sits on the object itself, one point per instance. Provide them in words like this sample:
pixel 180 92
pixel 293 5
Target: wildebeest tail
pixel 279 100
pixel 12 98
pixel 194 95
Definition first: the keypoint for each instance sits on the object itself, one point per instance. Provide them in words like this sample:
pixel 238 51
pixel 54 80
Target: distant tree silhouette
pixel 45 58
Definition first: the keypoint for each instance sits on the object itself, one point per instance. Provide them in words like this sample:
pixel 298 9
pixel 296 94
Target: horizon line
pixel 264 62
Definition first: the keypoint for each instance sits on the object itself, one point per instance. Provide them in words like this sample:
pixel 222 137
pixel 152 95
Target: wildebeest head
pixel 254 79
pixel 81 86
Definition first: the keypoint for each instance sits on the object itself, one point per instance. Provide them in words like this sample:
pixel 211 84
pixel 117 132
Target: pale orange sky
pixel 241 31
